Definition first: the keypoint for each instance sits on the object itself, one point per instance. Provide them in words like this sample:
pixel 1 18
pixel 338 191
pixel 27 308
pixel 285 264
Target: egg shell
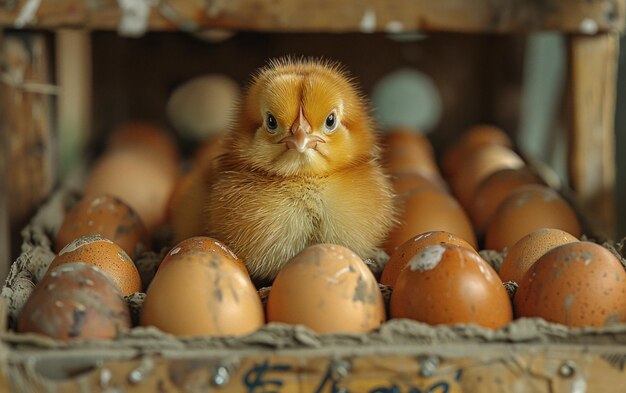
pixel 414 156
pixel 203 106
pixel 202 294
pixel 526 251
pixel 470 141
pixel 478 166
pixel 409 152
pixel 203 244
pixel 329 289
pixel 448 284
pixel 107 216
pixel 138 177
pixel 526 209
pixel 139 134
pixel 107 256
pixel 428 210
pixel 75 300
pixel 400 258
pixel 205 157
pixel 576 284
pixel 405 182
pixel 493 190
pixel 185 201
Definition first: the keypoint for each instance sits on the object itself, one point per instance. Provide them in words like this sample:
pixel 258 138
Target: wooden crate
pixel 27 162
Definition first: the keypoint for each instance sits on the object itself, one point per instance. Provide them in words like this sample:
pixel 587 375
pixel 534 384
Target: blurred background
pixel 439 84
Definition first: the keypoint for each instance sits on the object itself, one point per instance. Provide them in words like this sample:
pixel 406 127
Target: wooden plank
pixel 327 15
pixel 592 83
pixel 5 238
pixel 120 80
pixel 26 124
pixel 73 75
pixel 493 368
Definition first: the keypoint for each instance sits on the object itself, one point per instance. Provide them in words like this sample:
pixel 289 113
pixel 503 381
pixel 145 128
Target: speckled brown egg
pixel 107 256
pixel 526 209
pixel 107 216
pixel 205 157
pixel 405 182
pixel 406 151
pixel 526 251
pixel 185 201
pixel 203 244
pixel 202 294
pixel 426 210
pixel 400 258
pixel 75 300
pixel 145 135
pixel 470 141
pixel 478 166
pixel 576 284
pixel 329 289
pixel 139 177
pixel 448 284
pixel 494 190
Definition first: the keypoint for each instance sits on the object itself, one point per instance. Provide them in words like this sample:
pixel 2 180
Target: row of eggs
pixel 202 288
pixel 432 285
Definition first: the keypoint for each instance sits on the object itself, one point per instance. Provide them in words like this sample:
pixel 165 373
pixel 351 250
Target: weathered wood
pixel 121 78
pixel 5 235
pixel 490 368
pixel 592 85
pixel 328 15
pixel 73 75
pixel 26 124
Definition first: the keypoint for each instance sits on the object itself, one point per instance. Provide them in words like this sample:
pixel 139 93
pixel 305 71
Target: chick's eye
pixel 272 124
pixel 331 122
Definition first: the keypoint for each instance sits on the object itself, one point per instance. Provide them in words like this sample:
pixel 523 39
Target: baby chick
pixel 301 168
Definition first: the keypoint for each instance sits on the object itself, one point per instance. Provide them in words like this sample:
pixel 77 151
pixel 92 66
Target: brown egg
pixel 493 190
pixel 473 139
pixel 529 208
pixel 107 216
pixel 75 300
pixel 107 256
pixel 329 289
pixel 185 201
pixel 526 251
pixel 202 294
pixel 576 284
pixel 203 106
pixel 203 244
pixel 409 152
pixel 206 155
pixel 139 178
pixel 478 166
pixel 404 182
pixel 145 135
pixel 400 258
pixel 448 284
pixel 427 210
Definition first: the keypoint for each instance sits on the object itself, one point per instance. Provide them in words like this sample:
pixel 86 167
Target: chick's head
pixel 303 118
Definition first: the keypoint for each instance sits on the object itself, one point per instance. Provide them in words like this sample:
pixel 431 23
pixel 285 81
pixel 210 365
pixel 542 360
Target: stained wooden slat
pixel 26 124
pixel 592 83
pixel 5 238
pixel 527 368
pixel 327 15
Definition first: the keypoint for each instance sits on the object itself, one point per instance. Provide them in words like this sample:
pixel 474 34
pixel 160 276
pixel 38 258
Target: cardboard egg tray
pixel 528 355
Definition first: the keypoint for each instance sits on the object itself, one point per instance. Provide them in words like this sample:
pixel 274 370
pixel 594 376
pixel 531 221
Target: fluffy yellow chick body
pixel 301 168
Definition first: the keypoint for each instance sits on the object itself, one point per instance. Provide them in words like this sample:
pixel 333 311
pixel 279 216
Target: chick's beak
pixel 301 136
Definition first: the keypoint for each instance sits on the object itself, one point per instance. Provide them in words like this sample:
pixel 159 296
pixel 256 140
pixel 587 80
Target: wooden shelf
pixel 485 16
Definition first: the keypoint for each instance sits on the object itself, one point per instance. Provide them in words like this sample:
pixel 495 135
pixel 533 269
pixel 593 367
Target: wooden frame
pixel 492 367
pixel 482 16
pixel 445 368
